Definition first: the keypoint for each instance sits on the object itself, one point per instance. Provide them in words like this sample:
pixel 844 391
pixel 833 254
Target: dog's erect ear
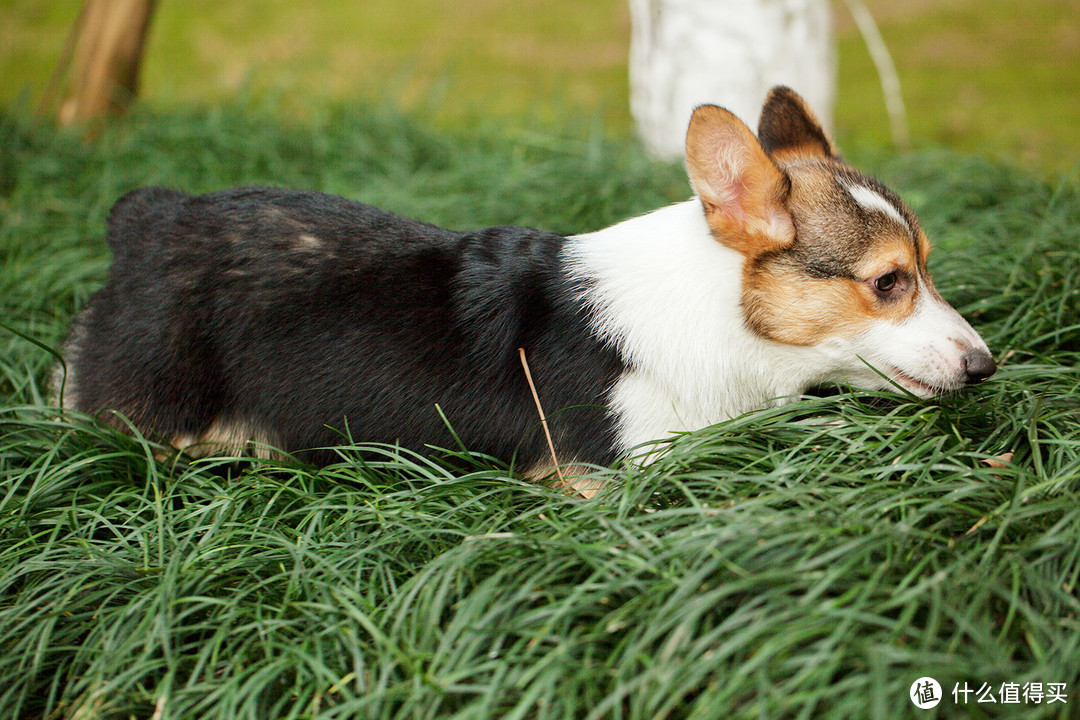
pixel 789 128
pixel 741 188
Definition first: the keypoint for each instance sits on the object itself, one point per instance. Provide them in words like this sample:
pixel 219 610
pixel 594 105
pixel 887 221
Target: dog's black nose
pixel 979 365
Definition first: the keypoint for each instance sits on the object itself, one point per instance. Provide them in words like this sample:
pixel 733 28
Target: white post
pixel 727 52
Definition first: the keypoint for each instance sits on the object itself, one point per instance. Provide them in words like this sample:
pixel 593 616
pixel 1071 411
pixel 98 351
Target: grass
pixel 988 76
pixel 807 561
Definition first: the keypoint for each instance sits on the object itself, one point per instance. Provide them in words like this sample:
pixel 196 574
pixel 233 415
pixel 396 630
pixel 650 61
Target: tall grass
pixel 807 561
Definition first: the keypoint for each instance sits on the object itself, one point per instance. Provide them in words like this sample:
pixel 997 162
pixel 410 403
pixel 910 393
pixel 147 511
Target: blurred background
pixel 995 77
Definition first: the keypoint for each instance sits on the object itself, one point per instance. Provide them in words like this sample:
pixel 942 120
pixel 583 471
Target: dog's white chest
pixel 651 408
pixel 667 294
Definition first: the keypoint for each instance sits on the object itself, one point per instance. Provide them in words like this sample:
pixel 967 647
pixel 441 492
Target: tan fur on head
pixel 783 302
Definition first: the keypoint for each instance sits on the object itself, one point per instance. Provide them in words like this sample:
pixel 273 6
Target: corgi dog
pixel 258 318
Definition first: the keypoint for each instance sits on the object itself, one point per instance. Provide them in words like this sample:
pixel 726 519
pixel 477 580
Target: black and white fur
pixel 273 318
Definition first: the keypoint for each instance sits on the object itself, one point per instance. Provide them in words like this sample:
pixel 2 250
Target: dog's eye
pixel 886 282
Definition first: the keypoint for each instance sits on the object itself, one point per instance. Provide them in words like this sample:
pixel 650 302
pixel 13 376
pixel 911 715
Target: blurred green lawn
pixel 1000 77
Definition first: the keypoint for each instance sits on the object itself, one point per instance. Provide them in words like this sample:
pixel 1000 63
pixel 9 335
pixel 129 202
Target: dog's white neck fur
pixel 668 295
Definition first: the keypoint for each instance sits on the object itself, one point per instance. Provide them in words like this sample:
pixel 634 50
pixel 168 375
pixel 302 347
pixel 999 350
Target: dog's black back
pixel 300 314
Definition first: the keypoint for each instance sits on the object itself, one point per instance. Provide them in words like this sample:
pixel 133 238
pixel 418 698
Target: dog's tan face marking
pixel 858 257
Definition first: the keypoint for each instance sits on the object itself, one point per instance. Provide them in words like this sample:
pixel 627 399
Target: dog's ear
pixel 789 128
pixel 741 188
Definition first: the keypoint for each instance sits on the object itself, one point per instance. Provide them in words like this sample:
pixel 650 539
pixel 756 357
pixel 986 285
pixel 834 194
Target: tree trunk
pixel 106 52
pixel 727 52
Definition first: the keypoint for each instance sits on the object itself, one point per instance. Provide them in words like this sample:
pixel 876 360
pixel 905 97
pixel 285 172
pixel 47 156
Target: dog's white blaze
pixel 667 295
pixel 874 201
